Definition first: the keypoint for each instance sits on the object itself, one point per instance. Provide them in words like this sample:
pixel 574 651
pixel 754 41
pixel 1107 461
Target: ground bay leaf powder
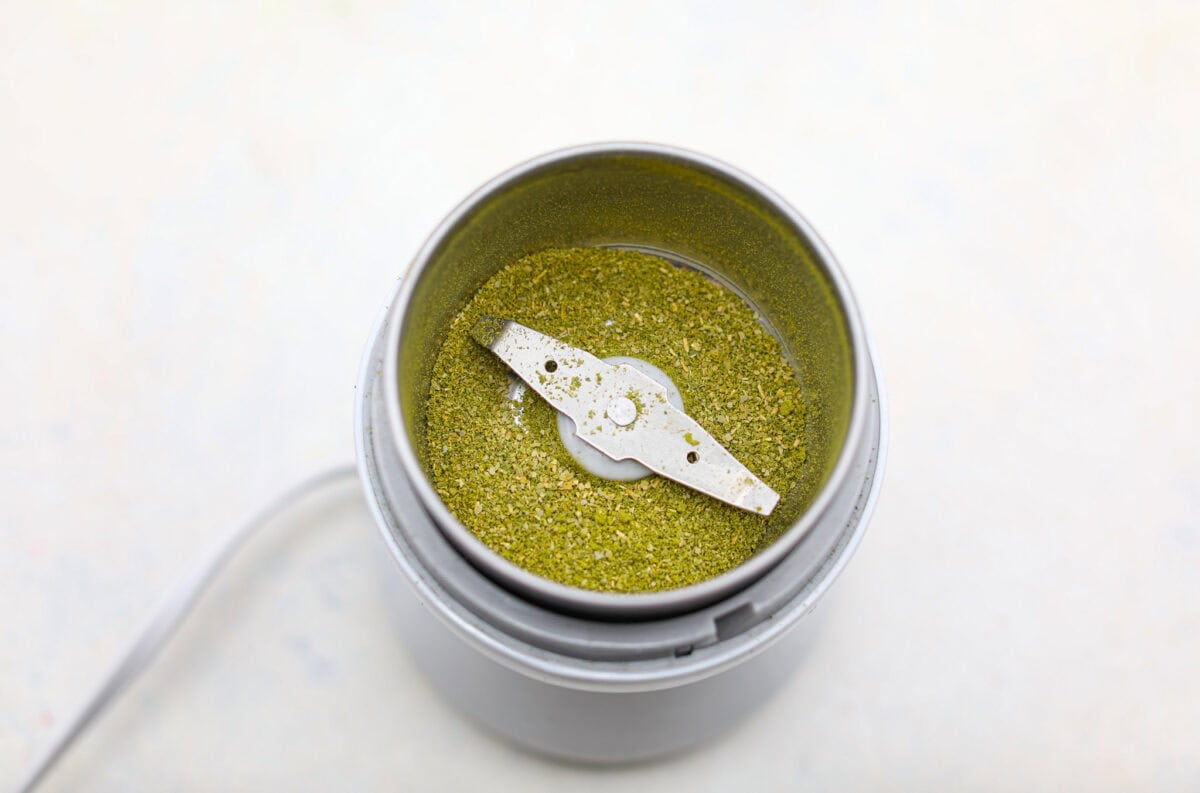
pixel 500 467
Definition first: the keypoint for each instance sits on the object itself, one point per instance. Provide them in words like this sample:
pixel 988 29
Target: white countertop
pixel 202 210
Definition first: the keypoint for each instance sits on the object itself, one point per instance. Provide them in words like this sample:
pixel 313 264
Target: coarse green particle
pixel 500 467
pixel 687 436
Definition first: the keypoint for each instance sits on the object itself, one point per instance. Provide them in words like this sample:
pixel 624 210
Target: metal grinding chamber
pixel 585 675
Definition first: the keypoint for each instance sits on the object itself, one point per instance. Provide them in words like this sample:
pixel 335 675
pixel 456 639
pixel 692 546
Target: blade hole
pixel 551 366
pixel 692 457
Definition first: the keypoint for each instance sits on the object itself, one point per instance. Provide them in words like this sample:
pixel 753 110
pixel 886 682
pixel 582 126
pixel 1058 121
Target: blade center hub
pixel 597 462
pixel 621 411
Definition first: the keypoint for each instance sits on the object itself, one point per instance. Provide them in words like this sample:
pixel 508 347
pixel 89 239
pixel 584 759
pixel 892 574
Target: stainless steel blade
pixel 624 414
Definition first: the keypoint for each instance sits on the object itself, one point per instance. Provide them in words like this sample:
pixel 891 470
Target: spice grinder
pixel 597 676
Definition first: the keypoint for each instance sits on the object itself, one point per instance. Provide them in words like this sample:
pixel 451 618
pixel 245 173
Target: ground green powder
pixel 501 469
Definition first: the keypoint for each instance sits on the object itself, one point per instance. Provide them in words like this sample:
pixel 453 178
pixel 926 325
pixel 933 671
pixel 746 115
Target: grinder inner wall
pixel 651 201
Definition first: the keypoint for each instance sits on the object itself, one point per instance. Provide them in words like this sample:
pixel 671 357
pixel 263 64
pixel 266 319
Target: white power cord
pixel 167 617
